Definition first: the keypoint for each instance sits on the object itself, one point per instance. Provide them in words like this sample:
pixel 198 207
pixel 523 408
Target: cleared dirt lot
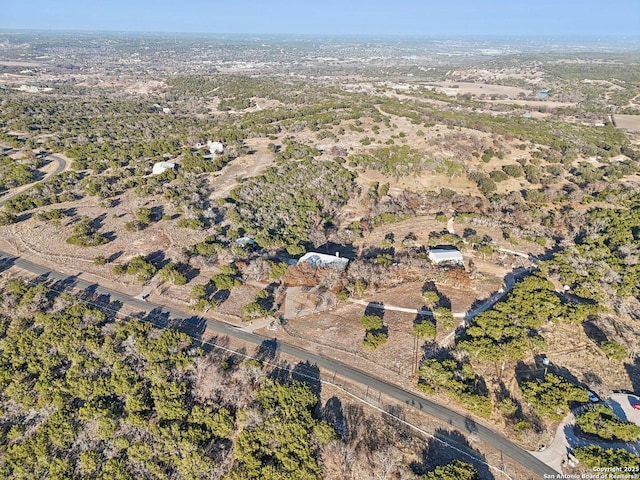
pixel 628 122
pixel 453 88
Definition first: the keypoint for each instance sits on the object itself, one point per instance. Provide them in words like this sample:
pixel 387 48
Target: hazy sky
pixel 380 17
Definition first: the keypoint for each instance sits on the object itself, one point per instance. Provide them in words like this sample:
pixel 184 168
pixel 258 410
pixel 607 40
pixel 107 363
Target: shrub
pixel 425 329
pixel 142 268
pixel 253 310
pixel 7 218
pixel 498 176
pixel 84 235
pixel 373 340
pixel 192 223
pixel 99 260
pixel 371 322
pixel 513 170
pixel 613 350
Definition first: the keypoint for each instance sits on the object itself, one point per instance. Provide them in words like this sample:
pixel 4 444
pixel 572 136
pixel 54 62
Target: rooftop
pixel 323 260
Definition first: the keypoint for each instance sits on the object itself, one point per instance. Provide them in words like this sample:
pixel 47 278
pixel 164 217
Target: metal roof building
pixel 160 167
pixel 442 255
pixel 322 260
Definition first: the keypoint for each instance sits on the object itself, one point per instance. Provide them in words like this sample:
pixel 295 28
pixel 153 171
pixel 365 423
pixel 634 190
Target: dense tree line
pixel 510 329
pixel 14 173
pixel 551 396
pixel 84 396
pixel 457 380
pixel 600 420
pixel 604 263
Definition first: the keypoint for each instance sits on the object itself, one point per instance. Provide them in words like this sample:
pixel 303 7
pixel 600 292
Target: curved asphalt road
pixel 195 325
pixel 59 169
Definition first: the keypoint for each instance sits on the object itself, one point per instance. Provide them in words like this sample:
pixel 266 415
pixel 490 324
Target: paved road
pixel 62 164
pixel 193 324
pixel 567 438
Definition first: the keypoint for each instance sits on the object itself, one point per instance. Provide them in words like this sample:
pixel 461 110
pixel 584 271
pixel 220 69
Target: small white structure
pixel 244 241
pixel 445 255
pixel 215 147
pixel 166 110
pixel 321 260
pixel 162 167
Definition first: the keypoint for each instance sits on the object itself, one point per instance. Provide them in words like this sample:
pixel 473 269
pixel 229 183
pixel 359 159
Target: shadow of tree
pixel 267 350
pixel 633 370
pixel 97 222
pixel 332 413
pixel 281 372
pixel 594 332
pixel 309 374
pixel 447 446
pixel 158 258
pixel 59 285
pixel 188 271
pixel 221 296
pixel 346 250
pixel 376 309
pixel 114 256
pixel 194 326
pixel 6 262
pixel 157 317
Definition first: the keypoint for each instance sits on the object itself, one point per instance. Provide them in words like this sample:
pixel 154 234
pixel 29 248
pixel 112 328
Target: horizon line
pixel 594 37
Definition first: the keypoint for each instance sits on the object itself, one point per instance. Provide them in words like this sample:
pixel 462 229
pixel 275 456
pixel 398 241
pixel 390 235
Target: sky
pixel 350 17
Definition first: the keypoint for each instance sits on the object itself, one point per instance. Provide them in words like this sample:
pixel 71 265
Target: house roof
pixel 445 255
pixel 323 260
pixel 215 147
pixel 245 241
pixel 160 167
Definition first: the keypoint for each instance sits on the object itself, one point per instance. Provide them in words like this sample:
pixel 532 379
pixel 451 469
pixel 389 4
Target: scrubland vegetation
pixel 343 164
pixel 85 396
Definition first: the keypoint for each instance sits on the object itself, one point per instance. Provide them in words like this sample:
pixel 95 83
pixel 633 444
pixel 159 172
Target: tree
pixel 456 470
pixel 170 273
pixel 253 310
pixel 444 316
pixel 430 298
pixel 371 322
pixel 374 339
pixel 144 215
pixel 550 397
pixel 425 329
pixel 84 235
pixel 600 420
pixel 142 268
pixel 594 456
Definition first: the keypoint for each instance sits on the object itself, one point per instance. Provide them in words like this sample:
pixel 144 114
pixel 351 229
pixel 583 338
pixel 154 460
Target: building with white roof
pixel 215 147
pixel 161 167
pixel 445 255
pixel 322 260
